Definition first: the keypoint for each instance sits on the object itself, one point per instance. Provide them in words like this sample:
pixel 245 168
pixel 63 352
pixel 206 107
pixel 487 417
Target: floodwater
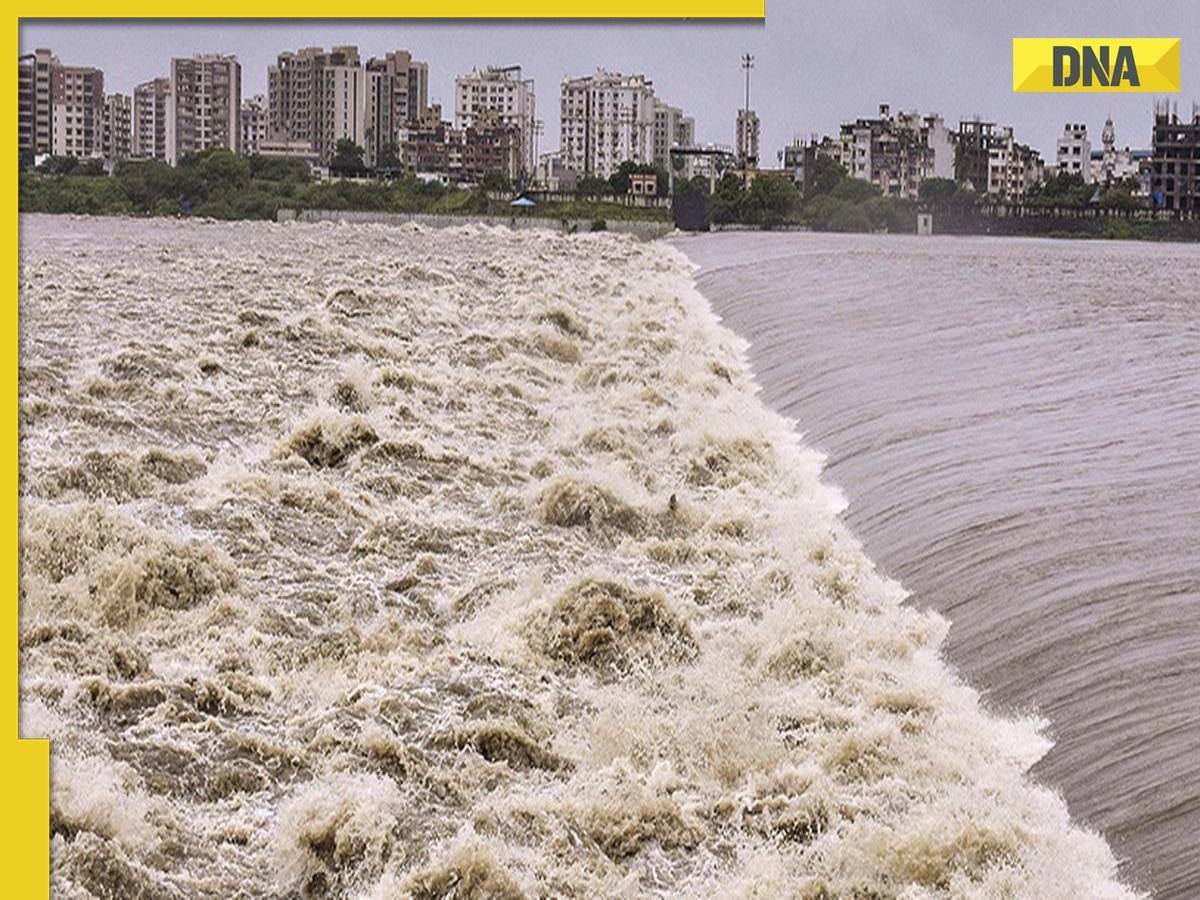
pixel 369 561
pixel 1016 424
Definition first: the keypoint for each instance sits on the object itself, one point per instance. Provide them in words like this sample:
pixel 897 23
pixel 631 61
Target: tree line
pixel 831 200
pixel 220 184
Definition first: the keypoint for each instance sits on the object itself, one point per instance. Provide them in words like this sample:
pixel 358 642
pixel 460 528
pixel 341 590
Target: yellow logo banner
pixel 1096 65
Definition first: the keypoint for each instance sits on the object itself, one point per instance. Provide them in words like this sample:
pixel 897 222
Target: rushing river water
pixel 381 562
pixel 1016 424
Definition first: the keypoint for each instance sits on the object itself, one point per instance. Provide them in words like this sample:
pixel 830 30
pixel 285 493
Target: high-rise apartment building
pixel 77 111
pixel 149 132
pixel 397 94
pixel 203 106
pixel 253 120
pixel 671 129
pixel 34 114
pixel 291 90
pixel 606 119
pixel 341 113
pixel 382 129
pixel 318 97
pixel 116 141
pixel 499 96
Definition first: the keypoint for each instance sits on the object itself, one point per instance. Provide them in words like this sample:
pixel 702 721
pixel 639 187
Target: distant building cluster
pixel 990 160
pixel 319 100
pixel 62 108
pixel 897 152
pixel 315 100
pixel 499 103
pixel 1074 155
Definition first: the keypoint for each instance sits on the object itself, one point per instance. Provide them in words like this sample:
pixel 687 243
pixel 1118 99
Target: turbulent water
pixel 1017 424
pixel 382 562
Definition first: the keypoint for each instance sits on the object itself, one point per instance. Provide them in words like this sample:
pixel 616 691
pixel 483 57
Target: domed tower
pixel 1109 137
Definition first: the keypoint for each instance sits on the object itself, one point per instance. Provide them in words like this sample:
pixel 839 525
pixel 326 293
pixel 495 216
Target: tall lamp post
pixel 744 124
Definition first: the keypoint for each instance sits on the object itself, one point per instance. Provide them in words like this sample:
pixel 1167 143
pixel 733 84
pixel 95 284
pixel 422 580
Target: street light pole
pixel 744 124
pixel 747 64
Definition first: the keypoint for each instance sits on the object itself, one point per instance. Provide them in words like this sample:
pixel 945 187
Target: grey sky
pixel 818 64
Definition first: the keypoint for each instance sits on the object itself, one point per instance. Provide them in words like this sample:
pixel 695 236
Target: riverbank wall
pixel 642 230
pixel 1111 226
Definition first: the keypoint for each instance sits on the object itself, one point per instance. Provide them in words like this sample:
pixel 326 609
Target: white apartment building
pixel 937 138
pixel 499 96
pixel 671 129
pixel 77 111
pixel 343 116
pixel 1013 168
pixel 253 124
pixel 1074 152
pixel 116 141
pixel 318 97
pixel 34 112
pixel 397 91
pixel 149 130
pixel 203 105
pixel 606 119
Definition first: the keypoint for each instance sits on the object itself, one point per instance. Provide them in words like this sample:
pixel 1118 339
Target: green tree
pixel 1120 195
pixel 147 182
pixel 945 195
pixel 347 159
pixel 771 201
pixel 692 186
pixel 274 168
pixel 220 171
pixel 388 159
pixel 619 180
pixel 1062 189
pixel 855 190
pixel 70 165
pixel 664 180
pixel 937 192
pixel 591 186
pixel 827 174
pixel 727 201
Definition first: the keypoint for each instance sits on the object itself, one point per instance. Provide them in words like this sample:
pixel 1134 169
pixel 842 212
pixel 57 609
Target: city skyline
pixel 898 67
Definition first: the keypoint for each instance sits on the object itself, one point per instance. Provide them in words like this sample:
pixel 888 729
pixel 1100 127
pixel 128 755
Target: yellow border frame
pixel 25 764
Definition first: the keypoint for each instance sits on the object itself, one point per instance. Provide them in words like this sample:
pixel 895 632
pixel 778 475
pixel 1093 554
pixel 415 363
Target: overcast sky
pixel 818 63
